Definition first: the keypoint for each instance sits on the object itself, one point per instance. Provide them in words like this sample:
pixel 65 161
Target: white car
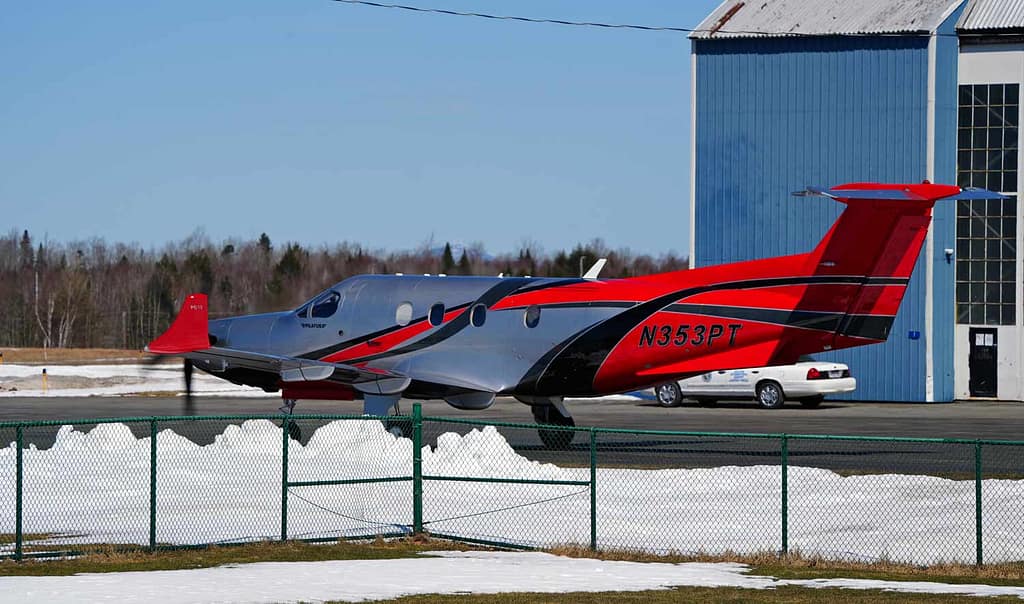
pixel 806 381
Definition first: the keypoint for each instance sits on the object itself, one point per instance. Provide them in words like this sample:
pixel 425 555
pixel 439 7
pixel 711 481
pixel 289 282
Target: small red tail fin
pixel 189 332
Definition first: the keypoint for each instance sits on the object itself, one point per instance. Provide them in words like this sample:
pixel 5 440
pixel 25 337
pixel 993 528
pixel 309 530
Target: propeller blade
pixel 188 407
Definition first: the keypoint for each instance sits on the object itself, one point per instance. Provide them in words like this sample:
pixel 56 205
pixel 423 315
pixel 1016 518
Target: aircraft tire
pixel 553 439
pixel 399 427
pixel 294 431
pixel 769 395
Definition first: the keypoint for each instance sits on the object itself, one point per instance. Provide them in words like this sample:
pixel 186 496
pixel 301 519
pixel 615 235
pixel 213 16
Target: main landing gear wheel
pixel 549 415
pixel 668 394
pixel 294 431
pixel 401 428
pixel 769 395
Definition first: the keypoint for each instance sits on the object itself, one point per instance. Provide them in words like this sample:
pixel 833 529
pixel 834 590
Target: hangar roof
pixel 780 18
pixel 992 15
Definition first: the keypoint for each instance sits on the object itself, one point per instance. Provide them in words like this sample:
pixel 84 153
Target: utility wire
pixel 684 30
pixel 442 11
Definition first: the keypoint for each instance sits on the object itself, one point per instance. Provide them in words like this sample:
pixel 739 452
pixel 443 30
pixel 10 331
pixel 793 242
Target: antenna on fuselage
pixel 596 269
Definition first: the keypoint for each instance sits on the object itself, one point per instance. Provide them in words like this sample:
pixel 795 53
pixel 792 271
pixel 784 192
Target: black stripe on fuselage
pixel 875 327
pixel 322 352
pixel 592 304
pixel 489 298
pixel 805 319
pixel 503 284
pixel 571 366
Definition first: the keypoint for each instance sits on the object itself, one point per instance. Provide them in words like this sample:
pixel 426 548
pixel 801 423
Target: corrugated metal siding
pixel 944 223
pixel 982 15
pixel 774 18
pixel 774 115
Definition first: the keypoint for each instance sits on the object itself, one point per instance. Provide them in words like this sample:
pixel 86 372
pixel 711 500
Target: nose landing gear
pixel 294 431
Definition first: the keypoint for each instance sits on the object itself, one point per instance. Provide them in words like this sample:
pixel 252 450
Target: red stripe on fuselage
pixel 388 341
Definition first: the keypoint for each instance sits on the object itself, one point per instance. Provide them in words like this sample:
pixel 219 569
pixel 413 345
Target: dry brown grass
pixel 72 355
pixel 113 558
pixel 797 566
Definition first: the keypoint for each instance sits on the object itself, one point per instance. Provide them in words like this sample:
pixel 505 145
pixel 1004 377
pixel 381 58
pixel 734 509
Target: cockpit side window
pixel 326 305
pixel 303 312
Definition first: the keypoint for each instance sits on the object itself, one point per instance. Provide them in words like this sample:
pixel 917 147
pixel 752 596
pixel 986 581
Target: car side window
pixel 436 314
pixel 478 315
pixel 326 305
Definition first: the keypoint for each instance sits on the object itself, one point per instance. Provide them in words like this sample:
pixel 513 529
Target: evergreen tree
pixel 264 244
pixel 447 261
pixel 464 267
pixel 27 259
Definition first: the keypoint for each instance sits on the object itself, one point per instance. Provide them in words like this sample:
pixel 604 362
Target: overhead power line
pixel 684 30
pixel 442 11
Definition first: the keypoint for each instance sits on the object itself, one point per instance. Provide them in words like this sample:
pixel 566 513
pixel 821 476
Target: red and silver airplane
pixel 468 339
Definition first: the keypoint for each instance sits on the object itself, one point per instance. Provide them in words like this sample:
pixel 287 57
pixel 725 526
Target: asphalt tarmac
pixel 974 420
pixel 970 420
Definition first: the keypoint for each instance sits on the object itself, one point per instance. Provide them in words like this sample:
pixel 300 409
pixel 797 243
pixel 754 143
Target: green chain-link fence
pixel 185 481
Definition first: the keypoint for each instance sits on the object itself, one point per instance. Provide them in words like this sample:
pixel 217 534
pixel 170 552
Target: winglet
pixel 188 333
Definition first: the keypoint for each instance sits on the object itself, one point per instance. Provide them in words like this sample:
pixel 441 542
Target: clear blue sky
pixel 318 122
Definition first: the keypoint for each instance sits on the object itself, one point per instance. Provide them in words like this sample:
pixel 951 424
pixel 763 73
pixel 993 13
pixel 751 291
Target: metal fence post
pixel 284 477
pixel 19 482
pixel 152 484
pixel 785 495
pixel 593 489
pixel 977 502
pixel 417 468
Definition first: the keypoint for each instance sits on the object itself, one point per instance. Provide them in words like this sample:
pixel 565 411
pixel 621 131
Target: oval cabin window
pixel 478 315
pixel 531 318
pixel 403 314
pixel 436 314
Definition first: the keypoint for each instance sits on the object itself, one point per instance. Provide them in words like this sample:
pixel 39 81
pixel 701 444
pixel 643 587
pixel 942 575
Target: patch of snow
pixel 448 573
pixel 111 380
pixel 91 487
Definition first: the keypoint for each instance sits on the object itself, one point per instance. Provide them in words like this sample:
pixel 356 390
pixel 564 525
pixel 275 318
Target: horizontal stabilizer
pixel 923 192
pixel 188 333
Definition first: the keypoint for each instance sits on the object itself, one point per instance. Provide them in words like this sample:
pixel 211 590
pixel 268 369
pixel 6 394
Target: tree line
pixel 95 294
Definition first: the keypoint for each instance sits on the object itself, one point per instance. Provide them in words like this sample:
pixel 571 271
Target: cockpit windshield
pixel 321 307
pixel 326 305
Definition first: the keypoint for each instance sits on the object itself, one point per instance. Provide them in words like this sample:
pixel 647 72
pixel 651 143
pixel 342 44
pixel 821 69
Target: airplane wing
pixel 188 337
pixel 291 369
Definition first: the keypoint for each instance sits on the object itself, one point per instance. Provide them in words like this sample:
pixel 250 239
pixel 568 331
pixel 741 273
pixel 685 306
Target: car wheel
pixel 811 403
pixel 706 402
pixel 769 395
pixel 668 394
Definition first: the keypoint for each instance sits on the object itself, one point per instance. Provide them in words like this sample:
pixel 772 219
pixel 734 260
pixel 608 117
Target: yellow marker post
pixel 46 387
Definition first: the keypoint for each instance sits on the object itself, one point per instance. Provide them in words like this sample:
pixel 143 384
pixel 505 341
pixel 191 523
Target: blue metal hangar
pixel 787 93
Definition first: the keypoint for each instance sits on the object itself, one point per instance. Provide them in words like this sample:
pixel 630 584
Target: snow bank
pixel 94 487
pixel 110 380
pixel 448 573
